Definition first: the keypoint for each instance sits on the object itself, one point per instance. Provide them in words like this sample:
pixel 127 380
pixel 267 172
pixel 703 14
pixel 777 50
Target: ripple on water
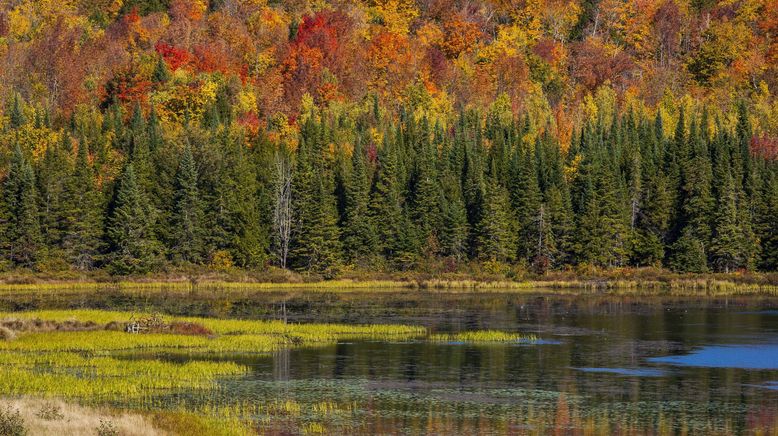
pixel 757 356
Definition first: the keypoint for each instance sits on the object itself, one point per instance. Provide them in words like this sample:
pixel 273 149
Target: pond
pixel 603 364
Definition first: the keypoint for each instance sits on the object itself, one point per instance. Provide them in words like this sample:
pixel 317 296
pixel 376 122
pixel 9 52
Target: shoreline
pixel 719 285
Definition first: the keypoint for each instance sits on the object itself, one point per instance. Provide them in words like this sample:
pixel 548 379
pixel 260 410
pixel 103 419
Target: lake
pixel 602 364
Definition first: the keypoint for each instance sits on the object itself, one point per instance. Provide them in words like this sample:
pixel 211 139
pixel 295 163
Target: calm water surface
pixel 605 364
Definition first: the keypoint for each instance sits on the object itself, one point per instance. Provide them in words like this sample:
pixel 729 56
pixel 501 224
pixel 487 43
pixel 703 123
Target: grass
pixel 637 281
pixel 87 365
pixel 483 336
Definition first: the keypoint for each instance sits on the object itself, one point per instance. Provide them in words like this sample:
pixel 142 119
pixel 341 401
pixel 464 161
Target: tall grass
pixel 669 285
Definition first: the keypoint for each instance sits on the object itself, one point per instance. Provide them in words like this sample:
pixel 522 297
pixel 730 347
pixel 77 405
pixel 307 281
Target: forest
pixel 139 136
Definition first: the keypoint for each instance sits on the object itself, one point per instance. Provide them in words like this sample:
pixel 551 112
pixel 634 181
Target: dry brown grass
pixel 7 334
pixel 78 420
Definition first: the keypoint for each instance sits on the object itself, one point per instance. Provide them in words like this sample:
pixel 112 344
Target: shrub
pixel 11 423
pixel 50 412
pixel 189 328
pixel 107 428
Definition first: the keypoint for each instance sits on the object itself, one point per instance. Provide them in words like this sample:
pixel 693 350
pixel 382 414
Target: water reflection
pixel 727 356
pixel 610 365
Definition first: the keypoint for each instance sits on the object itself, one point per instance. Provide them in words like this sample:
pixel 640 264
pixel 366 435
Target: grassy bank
pixel 644 281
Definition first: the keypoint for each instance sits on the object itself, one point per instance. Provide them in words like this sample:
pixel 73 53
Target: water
pixel 605 364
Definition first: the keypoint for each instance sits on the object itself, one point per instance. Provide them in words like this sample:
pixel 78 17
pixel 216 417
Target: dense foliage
pixel 139 134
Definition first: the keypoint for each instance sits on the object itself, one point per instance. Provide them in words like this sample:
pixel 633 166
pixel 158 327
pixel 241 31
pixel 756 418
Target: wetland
pixel 404 362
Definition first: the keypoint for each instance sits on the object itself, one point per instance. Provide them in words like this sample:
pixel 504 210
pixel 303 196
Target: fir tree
pixel 496 236
pixel 22 232
pixel 134 249
pixel 83 223
pixel 359 235
pixel 187 222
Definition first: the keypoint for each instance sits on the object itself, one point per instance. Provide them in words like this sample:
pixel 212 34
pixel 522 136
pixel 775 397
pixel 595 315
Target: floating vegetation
pixel 483 336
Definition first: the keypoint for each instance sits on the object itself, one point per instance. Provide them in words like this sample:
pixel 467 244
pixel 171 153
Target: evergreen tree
pixel 316 238
pixel 134 248
pixel 187 224
pixel 385 204
pixel 496 234
pixel 359 235
pixel 83 219
pixel 234 208
pixel 454 232
pixel 22 231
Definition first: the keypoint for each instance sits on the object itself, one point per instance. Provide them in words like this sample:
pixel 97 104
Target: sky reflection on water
pixel 757 357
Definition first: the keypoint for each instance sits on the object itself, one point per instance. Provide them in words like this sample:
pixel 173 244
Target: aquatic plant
pixel 483 336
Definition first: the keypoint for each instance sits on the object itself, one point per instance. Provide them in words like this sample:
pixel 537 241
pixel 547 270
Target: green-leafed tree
pixel 22 238
pixel 359 234
pixel 82 238
pixel 133 246
pixel 187 219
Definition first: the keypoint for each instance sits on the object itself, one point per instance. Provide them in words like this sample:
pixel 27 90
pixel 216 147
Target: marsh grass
pixel 81 364
pixel 620 281
pixel 483 336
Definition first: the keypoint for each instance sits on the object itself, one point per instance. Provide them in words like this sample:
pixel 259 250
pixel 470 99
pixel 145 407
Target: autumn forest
pixel 320 136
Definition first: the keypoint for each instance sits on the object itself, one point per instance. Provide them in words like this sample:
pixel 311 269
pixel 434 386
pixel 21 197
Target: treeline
pixel 118 191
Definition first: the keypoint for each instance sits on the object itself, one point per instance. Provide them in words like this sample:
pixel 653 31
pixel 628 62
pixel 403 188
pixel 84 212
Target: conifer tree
pixel 726 245
pixel 385 203
pixel 22 231
pixel 454 232
pixel 235 209
pixel 134 248
pixel 496 236
pixel 187 223
pixel 359 235
pixel 316 238
pixel 83 219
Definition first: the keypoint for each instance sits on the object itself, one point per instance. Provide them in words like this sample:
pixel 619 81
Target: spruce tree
pixel 385 203
pixel 725 249
pixel 82 238
pixel 496 234
pixel 359 235
pixel 134 249
pixel 454 230
pixel 315 242
pixel 187 220
pixel 22 232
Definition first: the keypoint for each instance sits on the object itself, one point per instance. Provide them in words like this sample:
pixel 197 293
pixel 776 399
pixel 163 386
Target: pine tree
pixel 496 235
pixel 315 243
pixel 725 247
pixel 385 204
pixel 83 220
pixel 22 233
pixel 454 231
pixel 359 235
pixel 134 249
pixel 187 222
pixel 161 72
